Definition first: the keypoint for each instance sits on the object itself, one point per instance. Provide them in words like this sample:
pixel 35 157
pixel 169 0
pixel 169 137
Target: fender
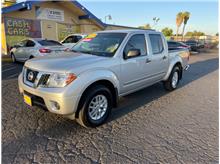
pixel 95 75
pixel 173 61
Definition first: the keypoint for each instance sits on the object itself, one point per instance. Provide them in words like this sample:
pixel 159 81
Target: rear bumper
pixel 45 98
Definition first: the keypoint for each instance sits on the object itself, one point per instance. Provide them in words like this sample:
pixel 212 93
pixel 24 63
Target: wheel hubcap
pixel 98 107
pixel 175 79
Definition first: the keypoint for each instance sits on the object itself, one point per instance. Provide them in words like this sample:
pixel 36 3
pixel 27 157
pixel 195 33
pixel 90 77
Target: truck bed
pixel 183 53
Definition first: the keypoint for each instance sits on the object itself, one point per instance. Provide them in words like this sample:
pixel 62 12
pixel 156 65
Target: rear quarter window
pixel 49 43
pixel 156 43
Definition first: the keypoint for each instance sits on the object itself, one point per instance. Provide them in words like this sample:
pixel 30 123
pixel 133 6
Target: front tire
pixel 95 106
pixel 171 83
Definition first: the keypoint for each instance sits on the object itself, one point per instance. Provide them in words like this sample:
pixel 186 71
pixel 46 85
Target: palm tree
pixel 179 21
pixel 186 16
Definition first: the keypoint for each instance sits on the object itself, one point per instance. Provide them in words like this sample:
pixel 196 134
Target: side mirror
pixel 133 53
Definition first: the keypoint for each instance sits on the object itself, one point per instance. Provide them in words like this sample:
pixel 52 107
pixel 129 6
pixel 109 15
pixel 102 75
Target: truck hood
pixel 63 63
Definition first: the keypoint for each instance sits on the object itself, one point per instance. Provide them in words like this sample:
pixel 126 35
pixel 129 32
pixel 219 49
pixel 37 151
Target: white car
pixel 30 48
pixel 72 39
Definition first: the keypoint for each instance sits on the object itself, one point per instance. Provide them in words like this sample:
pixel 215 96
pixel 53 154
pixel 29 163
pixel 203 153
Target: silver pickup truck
pixel 87 83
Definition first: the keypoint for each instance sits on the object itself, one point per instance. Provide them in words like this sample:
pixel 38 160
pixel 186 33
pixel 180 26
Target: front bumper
pixel 68 104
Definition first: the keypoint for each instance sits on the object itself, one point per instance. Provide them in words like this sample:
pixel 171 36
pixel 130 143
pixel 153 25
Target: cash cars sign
pixel 22 27
pixel 50 14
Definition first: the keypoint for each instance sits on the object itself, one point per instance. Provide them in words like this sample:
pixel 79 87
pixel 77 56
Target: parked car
pixel 174 45
pixel 72 39
pixel 31 48
pixel 103 67
pixel 201 44
pixel 193 45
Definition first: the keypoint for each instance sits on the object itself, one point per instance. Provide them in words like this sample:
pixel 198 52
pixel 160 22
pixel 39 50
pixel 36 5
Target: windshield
pixel 101 44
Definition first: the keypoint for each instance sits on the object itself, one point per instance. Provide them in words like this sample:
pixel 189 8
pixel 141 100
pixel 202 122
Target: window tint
pixel 68 40
pixel 72 39
pixel 136 42
pixel 156 43
pixel 101 44
pixel 49 43
pixel 30 43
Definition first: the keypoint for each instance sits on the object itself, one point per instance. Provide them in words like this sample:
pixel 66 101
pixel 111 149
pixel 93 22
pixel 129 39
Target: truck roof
pixel 128 31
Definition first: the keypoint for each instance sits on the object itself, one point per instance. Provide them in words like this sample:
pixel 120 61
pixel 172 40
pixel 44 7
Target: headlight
pixel 57 80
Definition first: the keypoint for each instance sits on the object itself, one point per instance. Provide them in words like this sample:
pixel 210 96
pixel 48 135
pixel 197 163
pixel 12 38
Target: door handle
pixel 164 57
pixel 148 60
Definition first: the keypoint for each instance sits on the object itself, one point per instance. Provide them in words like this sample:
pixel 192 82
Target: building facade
pixel 48 19
pixel 45 19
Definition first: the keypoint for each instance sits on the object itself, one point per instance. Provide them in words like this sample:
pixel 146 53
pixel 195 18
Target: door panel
pixel 20 51
pixel 131 73
pixel 132 68
pixel 158 57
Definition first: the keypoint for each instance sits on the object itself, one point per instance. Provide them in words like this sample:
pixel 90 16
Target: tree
pixel 146 26
pixel 186 16
pixel 216 34
pixel 167 31
pixel 195 33
pixel 179 21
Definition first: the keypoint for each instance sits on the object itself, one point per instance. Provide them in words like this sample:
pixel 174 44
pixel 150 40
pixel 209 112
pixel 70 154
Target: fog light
pixel 55 105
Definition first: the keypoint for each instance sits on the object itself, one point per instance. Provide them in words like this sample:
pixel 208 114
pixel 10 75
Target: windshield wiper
pixel 74 51
pixel 86 52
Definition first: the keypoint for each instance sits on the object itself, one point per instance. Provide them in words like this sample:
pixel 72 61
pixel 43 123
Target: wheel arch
pixel 173 63
pixel 105 82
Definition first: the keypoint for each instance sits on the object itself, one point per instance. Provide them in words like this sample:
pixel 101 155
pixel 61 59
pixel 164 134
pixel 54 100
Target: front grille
pixel 43 79
pixel 35 78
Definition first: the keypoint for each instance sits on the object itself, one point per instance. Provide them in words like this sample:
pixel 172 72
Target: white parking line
pixel 5 65
pixel 11 76
pixel 9 69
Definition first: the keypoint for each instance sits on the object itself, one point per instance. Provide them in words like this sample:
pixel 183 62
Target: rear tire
pixel 13 58
pixel 95 106
pixel 171 83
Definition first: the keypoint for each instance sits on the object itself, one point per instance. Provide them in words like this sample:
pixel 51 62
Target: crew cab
pixel 88 82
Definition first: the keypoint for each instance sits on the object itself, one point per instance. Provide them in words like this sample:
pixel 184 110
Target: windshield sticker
pixel 87 39
pixel 91 36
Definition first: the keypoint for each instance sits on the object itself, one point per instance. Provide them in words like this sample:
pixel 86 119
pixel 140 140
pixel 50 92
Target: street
pixel 149 126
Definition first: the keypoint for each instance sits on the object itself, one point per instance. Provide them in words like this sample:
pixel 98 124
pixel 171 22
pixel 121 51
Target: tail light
pixel 44 50
pixel 67 49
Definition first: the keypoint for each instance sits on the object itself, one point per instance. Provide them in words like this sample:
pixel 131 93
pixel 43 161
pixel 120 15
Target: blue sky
pixel 204 14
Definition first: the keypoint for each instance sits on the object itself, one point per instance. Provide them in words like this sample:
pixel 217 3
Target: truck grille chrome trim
pixel 38 79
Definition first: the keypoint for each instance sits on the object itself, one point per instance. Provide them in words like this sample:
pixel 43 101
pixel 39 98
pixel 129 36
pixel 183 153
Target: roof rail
pixel 148 29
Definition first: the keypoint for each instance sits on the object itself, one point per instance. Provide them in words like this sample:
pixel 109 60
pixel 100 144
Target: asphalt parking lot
pixel 149 126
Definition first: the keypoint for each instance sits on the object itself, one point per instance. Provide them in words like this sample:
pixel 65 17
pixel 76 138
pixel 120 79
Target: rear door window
pixel 49 43
pixel 156 43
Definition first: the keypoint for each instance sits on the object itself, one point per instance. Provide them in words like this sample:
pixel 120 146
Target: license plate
pixel 27 100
